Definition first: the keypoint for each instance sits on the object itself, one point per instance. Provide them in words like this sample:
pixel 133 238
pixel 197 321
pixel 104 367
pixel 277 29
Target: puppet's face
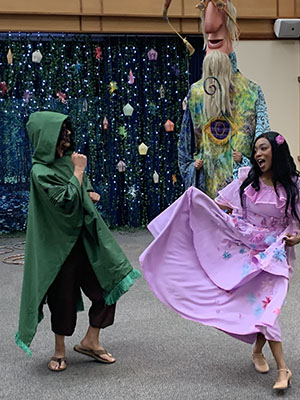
pixel 215 25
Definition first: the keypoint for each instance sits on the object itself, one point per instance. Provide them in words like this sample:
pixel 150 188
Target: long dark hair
pixel 284 171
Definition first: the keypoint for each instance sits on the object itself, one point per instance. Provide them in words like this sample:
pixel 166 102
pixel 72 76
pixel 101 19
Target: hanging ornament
pixel 169 126
pixel 132 192
pixel 105 123
pixel 77 68
pixel 121 166
pixel 26 96
pixel 155 177
pixel 162 92
pixel 112 87
pixel 174 179
pixel 98 51
pixel 184 104
pixel 84 105
pixel 36 56
pixel 9 57
pixel 143 149
pixel 128 110
pixel 122 132
pixel 131 78
pixel 152 55
pixel 3 87
pixel 152 108
pixel 61 97
pixel 176 70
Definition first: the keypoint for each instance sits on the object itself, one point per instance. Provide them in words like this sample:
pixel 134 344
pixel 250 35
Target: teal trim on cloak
pixel 122 287
pixel 22 345
pixel 110 298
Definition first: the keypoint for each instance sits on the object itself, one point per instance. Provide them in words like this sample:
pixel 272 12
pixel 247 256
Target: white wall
pixel 275 66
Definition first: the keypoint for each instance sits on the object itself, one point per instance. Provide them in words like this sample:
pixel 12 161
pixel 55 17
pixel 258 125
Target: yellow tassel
pixel 189 47
pixel 187 44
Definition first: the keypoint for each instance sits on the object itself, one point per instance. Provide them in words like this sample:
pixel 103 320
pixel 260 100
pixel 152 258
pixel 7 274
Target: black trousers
pixel 63 294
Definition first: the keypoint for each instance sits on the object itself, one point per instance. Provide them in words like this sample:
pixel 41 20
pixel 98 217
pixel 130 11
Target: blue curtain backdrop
pixel 91 78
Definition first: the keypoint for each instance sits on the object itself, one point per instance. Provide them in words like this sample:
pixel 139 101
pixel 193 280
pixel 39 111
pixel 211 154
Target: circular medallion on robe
pixel 220 130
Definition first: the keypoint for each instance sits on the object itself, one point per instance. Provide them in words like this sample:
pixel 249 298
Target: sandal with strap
pixel 59 361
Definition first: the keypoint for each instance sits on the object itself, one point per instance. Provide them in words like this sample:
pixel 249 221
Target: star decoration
pixel 112 87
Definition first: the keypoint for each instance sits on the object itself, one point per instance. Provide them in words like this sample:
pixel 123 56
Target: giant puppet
pixel 225 111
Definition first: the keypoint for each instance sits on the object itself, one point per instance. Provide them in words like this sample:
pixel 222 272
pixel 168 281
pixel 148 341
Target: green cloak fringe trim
pixel 122 287
pixel 22 345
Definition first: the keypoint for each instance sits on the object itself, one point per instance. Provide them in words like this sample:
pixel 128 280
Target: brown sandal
pixel 59 361
pixel 96 354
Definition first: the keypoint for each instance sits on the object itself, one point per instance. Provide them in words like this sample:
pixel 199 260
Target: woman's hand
pixel 291 240
pixel 95 197
pixel 228 210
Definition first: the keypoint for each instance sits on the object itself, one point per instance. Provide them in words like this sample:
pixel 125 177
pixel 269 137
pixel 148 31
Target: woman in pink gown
pixel 231 270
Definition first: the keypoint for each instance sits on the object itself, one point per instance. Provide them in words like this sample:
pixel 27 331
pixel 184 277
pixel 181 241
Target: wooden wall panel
pixel 191 26
pixel 40 6
pixel 250 29
pixel 39 23
pixel 286 8
pixel 256 8
pixel 91 6
pixel 256 29
pixel 297 12
pixel 190 10
pixel 255 17
pixel 91 24
pixel 140 7
pixel 140 25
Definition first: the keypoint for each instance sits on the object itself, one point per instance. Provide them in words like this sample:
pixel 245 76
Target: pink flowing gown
pixel 226 271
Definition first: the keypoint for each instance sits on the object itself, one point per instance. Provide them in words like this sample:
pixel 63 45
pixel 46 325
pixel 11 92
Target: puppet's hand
pixel 198 164
pixel 95 197
pixel 237 156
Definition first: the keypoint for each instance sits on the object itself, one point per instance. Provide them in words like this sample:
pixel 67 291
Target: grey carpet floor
pixel 160 356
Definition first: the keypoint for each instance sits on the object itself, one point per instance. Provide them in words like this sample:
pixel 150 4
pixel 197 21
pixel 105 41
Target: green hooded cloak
pixel 59 211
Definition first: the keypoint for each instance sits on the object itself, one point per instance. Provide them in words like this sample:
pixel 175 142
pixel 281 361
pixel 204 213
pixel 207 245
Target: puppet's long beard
pixel 217 64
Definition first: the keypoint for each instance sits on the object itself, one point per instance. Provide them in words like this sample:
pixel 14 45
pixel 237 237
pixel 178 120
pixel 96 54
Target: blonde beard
pixel 217 64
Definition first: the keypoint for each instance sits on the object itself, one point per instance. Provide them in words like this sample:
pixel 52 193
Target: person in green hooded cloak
pixel 68 246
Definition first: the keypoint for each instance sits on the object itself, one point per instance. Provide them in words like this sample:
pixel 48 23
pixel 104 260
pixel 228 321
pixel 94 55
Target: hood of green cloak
pixel 43 129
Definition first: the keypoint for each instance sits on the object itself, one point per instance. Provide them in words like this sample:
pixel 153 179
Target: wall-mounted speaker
pixel 287 28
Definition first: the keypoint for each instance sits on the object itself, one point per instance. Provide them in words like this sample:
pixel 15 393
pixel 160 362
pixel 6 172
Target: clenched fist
pixel 79 161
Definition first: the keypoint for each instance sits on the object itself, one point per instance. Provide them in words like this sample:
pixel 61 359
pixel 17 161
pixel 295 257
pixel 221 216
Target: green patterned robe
pixel 215 139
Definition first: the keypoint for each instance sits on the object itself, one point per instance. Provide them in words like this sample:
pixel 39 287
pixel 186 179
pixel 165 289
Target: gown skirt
pixel 218 269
